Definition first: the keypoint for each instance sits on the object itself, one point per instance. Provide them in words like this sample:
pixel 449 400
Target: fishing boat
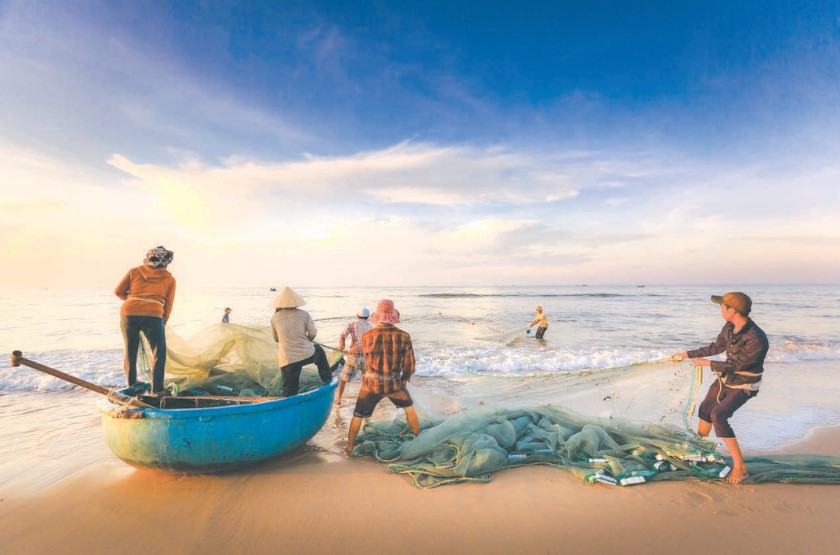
pixel 211 438
pixel 196 434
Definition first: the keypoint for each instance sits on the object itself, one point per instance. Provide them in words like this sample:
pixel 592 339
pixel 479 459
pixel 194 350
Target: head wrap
pixel 158 257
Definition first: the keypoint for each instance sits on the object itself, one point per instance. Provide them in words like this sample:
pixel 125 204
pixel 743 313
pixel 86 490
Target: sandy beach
pixel 315 500
pixel 550 199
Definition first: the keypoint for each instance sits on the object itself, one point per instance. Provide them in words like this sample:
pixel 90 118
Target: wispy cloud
pixel 406 173
pixel 69 72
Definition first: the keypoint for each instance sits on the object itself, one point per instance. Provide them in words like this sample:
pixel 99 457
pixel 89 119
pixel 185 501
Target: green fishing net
pixel 229 359
pixel 472 445
pixel 608 446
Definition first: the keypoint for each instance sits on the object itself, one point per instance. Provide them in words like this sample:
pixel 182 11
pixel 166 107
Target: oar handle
pixel 18 359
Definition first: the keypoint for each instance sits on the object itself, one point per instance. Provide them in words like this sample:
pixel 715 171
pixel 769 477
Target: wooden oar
pixel 197 399
pixel 115 396
pixel 233 398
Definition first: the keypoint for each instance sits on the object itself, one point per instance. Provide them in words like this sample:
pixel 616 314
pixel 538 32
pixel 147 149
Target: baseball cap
pixel 737 300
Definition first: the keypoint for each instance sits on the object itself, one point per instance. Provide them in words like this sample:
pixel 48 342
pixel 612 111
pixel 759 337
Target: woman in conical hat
pixel 294 332
pixel 287 298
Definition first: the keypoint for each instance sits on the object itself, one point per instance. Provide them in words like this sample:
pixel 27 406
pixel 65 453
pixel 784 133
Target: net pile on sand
pixel 472 445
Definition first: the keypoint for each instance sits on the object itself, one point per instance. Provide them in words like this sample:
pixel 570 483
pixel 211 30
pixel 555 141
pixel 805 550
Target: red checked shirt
pixel 355 330
pixel 389 358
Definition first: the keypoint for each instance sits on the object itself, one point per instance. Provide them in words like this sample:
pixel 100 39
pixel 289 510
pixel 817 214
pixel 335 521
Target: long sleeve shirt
pixel 147 292
pixel 354 329
pixel 294 330
pixel 389 358
pixel 745 353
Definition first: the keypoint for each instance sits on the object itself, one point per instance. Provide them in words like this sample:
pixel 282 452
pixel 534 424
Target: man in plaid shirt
pixel 389 365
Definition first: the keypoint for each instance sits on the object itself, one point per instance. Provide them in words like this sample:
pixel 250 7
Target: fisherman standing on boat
pixel 389 365
pixel 738 377
pixel 295 331
pixel 355 359
pixel 542 320
pixel 148 292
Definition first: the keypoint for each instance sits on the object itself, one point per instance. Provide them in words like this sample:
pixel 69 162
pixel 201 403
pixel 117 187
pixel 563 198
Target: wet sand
pixel 63 492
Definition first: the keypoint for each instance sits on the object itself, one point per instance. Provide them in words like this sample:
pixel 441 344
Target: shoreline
pixel 310 502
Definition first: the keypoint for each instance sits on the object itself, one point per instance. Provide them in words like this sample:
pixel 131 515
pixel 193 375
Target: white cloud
pixel 198 194
pixel 463 215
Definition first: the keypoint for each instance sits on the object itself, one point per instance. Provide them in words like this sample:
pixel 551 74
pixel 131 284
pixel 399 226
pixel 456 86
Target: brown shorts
pixel 367 400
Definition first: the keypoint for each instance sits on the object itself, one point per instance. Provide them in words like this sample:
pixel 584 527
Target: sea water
pixel 602 354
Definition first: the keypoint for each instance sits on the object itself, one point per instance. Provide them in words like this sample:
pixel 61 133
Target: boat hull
pixel 217 439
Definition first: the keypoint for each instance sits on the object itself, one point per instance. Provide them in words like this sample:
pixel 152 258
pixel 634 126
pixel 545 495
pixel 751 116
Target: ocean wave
pixel 103 368
pixel 803 351
pixel 533 295
pixel 525 358
pixel 501 360
pixel 522 361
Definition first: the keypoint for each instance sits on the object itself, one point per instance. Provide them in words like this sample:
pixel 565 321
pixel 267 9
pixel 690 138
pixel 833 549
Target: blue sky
pixel 412 143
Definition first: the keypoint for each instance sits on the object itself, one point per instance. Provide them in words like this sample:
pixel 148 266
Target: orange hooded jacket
pixel 147 292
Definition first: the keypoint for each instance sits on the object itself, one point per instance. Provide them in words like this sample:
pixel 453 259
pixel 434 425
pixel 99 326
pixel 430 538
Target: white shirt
pixel 294 330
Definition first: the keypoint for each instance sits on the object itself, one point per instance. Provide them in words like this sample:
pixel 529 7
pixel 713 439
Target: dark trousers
pixel 152 328
pixel 719 412
pixel 540 332
pixel 291 372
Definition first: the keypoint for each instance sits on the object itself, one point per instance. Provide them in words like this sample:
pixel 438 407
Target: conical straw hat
pixel 287 299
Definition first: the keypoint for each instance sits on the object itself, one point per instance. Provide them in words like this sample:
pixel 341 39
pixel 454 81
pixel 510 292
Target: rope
pixel 470 370
pixel 696 381
pixel 143 361
pixel 331 318
pixel 328 347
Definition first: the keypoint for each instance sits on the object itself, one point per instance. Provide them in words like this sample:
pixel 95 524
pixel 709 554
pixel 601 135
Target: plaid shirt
pixel 389 358
pixel 354 329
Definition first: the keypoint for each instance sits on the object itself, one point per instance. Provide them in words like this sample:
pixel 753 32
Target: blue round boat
pixel 206 440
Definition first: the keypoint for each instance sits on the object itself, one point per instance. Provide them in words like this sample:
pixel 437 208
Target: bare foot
pixel 349 450
pixel 737 475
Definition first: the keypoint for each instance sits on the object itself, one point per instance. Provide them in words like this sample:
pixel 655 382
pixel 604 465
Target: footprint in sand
pixel 698 498
pixel 785 507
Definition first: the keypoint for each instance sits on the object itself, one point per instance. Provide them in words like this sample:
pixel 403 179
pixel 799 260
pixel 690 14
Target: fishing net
pixel 621 426
pixel 630 433
pixel 472 445
pixel 229 359
pixel 505 337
